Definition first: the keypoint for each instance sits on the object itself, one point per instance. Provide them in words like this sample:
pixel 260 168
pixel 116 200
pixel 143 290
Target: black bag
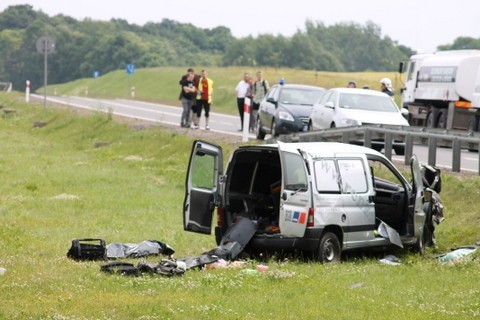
pixel 88 249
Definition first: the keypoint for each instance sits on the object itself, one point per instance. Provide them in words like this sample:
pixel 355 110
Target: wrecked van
pixel 323 198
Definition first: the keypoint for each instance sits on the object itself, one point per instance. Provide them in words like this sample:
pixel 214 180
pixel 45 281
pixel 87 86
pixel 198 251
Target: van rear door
pixel 295 198
pixel 202 186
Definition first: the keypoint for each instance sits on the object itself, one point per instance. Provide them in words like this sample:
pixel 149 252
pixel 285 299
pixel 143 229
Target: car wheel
pixel 274 131
pixel 329 250
pixel 399 150
pixel 442 119
pixel 260 132
pixel 431 121
pixel 310 127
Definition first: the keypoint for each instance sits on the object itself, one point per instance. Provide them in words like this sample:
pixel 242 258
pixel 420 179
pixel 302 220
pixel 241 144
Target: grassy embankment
pixel 56 185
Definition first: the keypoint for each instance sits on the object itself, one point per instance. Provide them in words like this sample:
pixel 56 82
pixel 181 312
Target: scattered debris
pixel 458 253
pixel 391 260
pixel 136 250
pixel 39 124
pixel 99 144
pixel 357 285
pixel 385 231
pixel 65 196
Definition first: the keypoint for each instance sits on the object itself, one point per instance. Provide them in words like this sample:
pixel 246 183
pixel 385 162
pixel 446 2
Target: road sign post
pixel 45 45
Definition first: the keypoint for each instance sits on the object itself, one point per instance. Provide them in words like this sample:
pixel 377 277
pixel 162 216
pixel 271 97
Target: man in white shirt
pixel 241 90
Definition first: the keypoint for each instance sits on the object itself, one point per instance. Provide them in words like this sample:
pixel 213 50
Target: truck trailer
pixel 442 89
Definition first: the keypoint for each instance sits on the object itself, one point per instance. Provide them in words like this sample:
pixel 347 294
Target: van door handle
pixel 284 196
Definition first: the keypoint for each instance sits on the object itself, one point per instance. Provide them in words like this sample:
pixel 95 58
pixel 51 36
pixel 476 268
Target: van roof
pixel 323 149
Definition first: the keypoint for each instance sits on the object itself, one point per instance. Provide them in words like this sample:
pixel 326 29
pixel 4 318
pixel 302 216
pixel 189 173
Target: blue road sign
pixel 130 68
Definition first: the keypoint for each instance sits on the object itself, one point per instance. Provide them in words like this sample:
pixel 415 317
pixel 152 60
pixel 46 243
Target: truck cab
pixel 317 197
pixel 440 88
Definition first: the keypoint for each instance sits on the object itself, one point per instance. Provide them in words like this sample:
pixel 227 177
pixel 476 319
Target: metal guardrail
pixel 455 139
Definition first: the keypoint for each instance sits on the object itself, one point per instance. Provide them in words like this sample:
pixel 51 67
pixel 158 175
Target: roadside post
pixel 45 45
pixel 27 91
pixel 246 119
pixel 132 92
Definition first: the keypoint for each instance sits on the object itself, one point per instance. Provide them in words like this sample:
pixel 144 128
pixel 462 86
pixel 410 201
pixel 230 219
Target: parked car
pixel 318 197
pixel 344 107
pixel 286 109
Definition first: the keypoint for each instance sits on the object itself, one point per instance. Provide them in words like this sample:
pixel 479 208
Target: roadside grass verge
pixel 59 184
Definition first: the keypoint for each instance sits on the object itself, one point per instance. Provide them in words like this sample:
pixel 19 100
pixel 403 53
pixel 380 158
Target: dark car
pixel 286 108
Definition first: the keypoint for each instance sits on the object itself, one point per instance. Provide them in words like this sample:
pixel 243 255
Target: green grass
pixel 56 186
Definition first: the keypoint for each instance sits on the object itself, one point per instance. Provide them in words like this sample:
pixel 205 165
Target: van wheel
pixel 329 249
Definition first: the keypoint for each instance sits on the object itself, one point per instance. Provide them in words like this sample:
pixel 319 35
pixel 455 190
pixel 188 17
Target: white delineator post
pixel 132 92
pixel 27 91
pixel 246 119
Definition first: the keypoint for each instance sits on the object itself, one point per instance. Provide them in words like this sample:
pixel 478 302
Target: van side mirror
pixel 401 66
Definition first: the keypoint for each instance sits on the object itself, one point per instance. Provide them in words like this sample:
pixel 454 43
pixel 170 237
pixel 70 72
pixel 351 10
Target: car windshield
pixel 367 102
pixel 301 96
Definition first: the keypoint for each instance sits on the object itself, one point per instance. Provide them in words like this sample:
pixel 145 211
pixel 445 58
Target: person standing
pixel 196 77
pixel 187 97
pixel 260 88
pixel 204 99
pixel 241 90
pixel 386 86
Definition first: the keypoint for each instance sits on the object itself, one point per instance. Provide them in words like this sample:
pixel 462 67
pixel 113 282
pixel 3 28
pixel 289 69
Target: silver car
pixel 345 107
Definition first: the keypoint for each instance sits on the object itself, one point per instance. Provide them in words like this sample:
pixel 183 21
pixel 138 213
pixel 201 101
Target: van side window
pixel 295 175
pixel 203 171
pixel 354 179
pixel 326 176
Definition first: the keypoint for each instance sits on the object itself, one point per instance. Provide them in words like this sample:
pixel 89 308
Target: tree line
pixel 83 47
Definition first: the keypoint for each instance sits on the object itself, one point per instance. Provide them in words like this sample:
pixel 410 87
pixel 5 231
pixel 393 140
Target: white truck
pixel 442 90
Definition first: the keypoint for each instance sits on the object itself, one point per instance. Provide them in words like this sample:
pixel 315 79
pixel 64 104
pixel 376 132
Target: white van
pixel 320 197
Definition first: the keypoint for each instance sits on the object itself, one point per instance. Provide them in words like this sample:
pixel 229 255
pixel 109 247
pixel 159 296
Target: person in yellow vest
pixel 204 99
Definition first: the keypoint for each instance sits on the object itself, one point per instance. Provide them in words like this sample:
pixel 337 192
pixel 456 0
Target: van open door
pixel 419 214
pixel 202 186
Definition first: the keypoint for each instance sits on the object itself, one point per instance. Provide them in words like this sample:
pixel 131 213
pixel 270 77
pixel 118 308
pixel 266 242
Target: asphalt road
pixel 227 124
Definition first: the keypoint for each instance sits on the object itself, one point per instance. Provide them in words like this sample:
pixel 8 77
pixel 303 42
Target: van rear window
pixel 295 175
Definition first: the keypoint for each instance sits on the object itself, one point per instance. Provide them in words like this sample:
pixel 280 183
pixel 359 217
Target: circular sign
pixel 45 44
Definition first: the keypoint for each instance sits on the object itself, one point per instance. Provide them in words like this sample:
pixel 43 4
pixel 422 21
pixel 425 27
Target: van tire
pixel 329 250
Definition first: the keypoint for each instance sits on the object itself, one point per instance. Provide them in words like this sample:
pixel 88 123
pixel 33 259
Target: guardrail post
pixel 388 145
pixel 432 150
pixel 367 138
pixel 456 159
pixel 346 137
pixel 408 148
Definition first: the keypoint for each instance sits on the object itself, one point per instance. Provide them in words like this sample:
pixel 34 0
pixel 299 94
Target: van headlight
pixel 285 116
pixel 351 123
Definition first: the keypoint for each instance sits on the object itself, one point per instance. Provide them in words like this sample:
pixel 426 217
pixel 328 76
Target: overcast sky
pixel 419 24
